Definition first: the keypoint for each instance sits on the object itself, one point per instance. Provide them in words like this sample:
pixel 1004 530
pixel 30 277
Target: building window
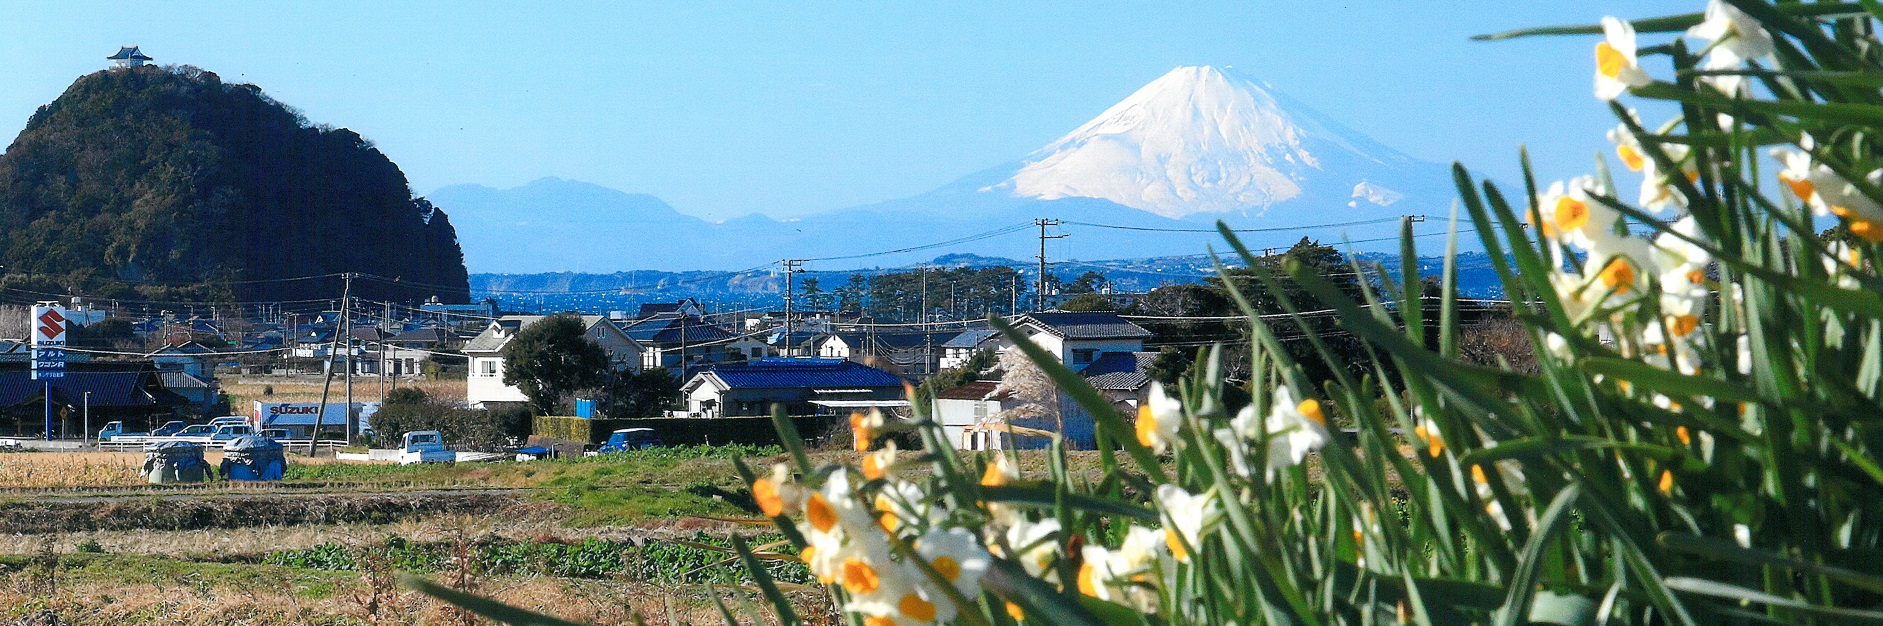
pixel 488 367
pixel 1084 356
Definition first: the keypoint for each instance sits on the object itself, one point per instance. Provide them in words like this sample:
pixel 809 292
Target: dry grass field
pixel 79 470
pixel 244 390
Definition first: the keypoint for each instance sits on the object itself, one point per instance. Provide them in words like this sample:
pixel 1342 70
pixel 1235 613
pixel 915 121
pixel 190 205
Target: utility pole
pixel 923 272
pixel 791 267
pixel 333 349
pixel 1039 297
pixel 346 317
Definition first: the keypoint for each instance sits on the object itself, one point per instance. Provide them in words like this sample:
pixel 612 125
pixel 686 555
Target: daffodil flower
pixel 1657 187
pixel 1158 419
pixel 1035 545
pixel 1185 517
pixel 1570 213
pixel 1427 431
pixel 1294 430
pixel 1616 69
pixel 1727 28
pixel 877 465
pixel 955 554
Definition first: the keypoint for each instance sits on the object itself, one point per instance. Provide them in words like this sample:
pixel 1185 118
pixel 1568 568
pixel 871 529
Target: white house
pixel 1106 349
pixel 1080 338
pixel 484 383
pixel 957 350
pixel 963 412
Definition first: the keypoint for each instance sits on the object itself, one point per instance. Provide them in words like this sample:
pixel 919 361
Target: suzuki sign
pixel 48 348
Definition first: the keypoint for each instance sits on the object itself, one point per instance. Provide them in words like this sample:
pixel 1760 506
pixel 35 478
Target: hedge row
pixel 754 431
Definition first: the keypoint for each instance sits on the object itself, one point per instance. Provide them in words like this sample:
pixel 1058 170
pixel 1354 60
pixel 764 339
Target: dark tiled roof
pixel 802 373
pixel 108 389
pixel 428 334
pixel 651 309
pixel 128 53
pixel 1120 371
pixel 186 348
pixel 674 330
pixel 969 338
pixel 1083 325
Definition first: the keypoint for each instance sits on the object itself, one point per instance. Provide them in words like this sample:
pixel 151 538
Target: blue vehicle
pixel 631 439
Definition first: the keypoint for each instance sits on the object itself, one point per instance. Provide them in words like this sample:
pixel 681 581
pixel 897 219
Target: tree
pixel 642 394
pixel 851 295
pixel 814 296
pixel 1089 282
pixel 1088 302
pixel 552 359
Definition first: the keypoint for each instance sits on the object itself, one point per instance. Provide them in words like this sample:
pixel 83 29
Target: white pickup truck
pixel 425 446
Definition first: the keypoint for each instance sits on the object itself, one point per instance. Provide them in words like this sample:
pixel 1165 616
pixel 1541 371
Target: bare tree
pixel 1034 394
pixel 14 324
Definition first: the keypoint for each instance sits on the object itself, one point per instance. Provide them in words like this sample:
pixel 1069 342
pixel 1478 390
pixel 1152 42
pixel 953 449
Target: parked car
pixel 208 433
pixel 169 428
pixel 425 446
pixel 631 439
pixel 10 444
pixel 114 430
pixel 229 419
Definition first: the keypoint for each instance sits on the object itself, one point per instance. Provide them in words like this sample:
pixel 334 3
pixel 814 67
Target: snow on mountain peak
pixel 1200 140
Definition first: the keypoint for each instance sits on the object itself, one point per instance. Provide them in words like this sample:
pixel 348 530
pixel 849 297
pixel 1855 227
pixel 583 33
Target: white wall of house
pixel 834 347
pixel 485 383
pixel 957 417
pixel 704 400
pixel 1077 353
pixel 752 347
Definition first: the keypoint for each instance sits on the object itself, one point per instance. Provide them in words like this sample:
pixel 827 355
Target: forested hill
pixel 167 183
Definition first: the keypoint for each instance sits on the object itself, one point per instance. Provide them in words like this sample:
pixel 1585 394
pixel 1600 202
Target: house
pixel 1080 338
pixel 910 353
pixel 671 340
pixel 484 384
pixel 189 357
pixel 804 386
pixel 797 343
pixel 963 414
pixel 202 393
pixel 131 391
pixel 685 307
pixel 1101 347
pixel 958 349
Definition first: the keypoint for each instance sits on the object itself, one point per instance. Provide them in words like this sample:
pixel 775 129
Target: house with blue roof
pixel 802 386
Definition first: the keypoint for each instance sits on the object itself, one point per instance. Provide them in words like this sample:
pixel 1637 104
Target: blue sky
pixel 724 109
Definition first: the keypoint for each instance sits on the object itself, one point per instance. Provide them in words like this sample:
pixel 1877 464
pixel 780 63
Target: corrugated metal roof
pixel 1087 325
pixel 969 338
pixel 800 373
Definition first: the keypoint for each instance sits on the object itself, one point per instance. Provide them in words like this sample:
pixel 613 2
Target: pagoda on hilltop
pixel 128 56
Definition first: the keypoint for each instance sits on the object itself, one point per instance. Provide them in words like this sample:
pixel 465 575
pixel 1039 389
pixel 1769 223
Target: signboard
pixel 48 346
pixel 301 414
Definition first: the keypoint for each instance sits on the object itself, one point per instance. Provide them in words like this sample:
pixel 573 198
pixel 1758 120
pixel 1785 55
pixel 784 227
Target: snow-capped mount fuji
pixel 1202 140
pixel 1196 146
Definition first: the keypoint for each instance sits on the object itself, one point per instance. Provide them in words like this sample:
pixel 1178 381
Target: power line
pixel 1245 230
